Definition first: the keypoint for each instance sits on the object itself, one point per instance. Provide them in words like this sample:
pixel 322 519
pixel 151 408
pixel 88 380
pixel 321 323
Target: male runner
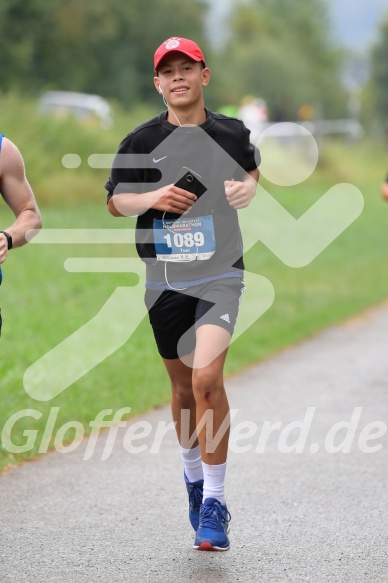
pixel 17 193
pixel 384 189
pixel 190 240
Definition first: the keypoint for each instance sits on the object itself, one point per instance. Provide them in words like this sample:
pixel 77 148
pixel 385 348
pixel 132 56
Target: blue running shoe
pixel 212 533
pixel 195 492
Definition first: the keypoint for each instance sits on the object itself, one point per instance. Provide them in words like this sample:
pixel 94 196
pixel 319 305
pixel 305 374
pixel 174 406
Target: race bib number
pixel 184 239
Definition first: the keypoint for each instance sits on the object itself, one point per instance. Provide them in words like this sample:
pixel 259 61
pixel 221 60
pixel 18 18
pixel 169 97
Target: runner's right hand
pixel 172 199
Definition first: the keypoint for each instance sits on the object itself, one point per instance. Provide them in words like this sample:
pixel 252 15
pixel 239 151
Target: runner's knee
pixel 182 392
pixel 207 383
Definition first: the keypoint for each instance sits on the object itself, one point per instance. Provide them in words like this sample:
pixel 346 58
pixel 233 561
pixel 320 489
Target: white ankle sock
pixel 192 463
pixel 214 480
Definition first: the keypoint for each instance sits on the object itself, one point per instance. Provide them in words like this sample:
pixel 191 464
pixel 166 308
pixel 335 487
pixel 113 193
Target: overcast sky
pixel 357 22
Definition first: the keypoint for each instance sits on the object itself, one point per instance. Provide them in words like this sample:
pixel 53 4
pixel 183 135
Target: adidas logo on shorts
pixel 226 318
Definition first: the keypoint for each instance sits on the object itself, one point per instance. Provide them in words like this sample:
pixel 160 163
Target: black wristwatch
pixel 9 238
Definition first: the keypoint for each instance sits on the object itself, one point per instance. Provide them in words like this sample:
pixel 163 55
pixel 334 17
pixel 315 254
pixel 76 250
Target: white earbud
pixel 160 90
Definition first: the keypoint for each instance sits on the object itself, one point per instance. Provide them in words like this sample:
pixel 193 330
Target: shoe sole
pixel 206 546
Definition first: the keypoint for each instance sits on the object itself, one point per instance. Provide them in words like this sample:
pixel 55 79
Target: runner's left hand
pixel 240 194
pixel 3 248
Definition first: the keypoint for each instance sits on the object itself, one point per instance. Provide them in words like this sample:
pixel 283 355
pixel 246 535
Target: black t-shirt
pixel 217 150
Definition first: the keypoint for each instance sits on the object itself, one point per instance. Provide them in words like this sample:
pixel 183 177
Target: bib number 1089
pixel 185 240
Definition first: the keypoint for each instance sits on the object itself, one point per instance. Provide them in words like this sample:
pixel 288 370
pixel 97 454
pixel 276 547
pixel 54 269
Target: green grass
pixel 44 141
pixel 42 303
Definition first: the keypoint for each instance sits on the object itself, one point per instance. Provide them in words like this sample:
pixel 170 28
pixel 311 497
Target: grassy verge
pixel 42 303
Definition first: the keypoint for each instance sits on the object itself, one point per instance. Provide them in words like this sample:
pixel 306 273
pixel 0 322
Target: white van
pixel 83 106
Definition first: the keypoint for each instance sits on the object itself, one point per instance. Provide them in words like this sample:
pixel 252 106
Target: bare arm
pixel 384 190
pixel 240 194
pixel 169 198
pixel 18 195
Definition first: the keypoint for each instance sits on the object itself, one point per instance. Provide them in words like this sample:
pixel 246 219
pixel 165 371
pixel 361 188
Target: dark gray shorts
pixel 173 313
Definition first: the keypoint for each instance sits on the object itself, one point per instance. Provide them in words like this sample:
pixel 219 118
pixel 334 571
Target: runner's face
pixel 181 79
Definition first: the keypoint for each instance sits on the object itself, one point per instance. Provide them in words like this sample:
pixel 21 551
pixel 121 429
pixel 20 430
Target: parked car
pixel 83 106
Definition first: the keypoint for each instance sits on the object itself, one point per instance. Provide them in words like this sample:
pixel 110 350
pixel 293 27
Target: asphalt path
pixel 309 501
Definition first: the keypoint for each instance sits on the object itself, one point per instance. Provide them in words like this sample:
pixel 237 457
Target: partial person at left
pixel 384 189
pixel 18 195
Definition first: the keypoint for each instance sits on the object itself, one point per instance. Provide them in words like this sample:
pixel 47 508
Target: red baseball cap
pixel 180 45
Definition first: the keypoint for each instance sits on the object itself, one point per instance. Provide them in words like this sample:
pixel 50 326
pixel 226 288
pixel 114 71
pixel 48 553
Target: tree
pixel 379 74
pixel 91 46
pixel 21 24
pixel 282 51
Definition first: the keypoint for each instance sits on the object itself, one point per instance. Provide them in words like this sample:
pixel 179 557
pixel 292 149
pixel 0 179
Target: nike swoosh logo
pixel 155 161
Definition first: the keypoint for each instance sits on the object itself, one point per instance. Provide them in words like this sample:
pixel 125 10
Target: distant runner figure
pixel 384 189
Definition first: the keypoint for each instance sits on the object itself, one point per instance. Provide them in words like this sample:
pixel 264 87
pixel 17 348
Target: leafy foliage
pixel 90 46
pixel 276 49
pixel 379 77
pixel 283 53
